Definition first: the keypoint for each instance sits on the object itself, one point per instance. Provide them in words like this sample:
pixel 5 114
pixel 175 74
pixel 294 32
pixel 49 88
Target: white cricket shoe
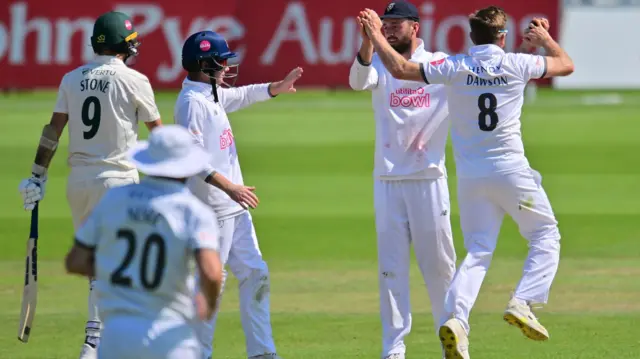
pixel 394 356
pixel 454 339
pixel 88 352
pixel 519 314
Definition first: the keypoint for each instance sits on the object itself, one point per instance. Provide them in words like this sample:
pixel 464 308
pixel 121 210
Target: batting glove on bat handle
pixel 32 191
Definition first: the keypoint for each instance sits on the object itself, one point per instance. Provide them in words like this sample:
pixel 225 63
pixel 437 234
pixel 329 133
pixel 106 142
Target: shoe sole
pixel 526 329
pixel 449 342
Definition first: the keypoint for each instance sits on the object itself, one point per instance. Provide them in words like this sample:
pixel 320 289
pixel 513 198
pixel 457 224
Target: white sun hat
pixel 171 152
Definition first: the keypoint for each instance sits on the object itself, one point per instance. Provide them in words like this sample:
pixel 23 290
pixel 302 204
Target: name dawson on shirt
pixel 473 80
pixel 408 97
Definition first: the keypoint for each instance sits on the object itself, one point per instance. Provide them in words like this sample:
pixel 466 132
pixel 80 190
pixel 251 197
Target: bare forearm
pixel 46 149
pixel 218 180
pixel 392 60
pixel 366 51
pixel 211 290
pixel 210 276
pixel 553 49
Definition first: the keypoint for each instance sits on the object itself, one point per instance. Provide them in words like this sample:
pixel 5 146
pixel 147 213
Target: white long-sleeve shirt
pixel 208 123
pixel 411 120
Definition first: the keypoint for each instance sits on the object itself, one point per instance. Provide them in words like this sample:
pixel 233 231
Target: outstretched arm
pixel 395 63
pixel 237 98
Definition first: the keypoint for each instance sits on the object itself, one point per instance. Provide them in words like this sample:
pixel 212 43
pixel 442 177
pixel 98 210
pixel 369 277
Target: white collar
pixel 419 49
pixel 486 50
pixel 108 59
pixel 197 86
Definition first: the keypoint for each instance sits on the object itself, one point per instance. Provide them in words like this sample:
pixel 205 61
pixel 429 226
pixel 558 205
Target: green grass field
pixel 310 156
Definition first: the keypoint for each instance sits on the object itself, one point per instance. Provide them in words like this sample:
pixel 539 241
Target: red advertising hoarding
pixel 41 40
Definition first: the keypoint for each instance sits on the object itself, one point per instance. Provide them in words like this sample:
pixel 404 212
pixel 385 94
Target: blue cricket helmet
pixel 205 45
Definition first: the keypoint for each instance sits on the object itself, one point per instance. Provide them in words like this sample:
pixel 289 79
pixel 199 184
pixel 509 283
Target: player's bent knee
pixel 548 244
pixel 549 233
pixel 480 244
pixel 258 282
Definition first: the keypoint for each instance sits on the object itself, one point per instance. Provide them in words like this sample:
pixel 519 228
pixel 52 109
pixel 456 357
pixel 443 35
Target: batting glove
pixel 32 191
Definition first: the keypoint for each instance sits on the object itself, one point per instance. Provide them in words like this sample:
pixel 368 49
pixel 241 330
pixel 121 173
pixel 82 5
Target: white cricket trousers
pixel 483 203
pixel 82 196
pixel 239 250
pixel 411 212
pixel 129 337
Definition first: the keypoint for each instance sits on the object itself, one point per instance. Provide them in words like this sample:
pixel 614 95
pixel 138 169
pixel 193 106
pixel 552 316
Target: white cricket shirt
pixel 411 120
pixel 145 236
pixel 486 93
pixel 104 100
pixel 208 122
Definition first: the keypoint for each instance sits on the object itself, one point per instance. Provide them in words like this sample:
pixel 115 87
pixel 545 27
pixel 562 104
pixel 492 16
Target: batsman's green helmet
pixel 114 31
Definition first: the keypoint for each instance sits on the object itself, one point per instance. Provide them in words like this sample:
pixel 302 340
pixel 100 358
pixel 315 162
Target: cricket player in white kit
pixel 485 89
pixel 143 254
pixel 103 102
pixel 202 107
pixel 411 194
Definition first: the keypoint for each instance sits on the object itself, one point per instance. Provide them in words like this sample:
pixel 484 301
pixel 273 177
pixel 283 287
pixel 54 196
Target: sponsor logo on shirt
pixel 226 139
pixel 407 97
pixel 437 62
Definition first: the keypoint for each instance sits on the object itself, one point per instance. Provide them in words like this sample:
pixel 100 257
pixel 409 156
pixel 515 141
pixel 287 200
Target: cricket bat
pixel 46 149
pixel 30 291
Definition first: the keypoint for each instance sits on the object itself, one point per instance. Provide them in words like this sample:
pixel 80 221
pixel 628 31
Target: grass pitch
pixel 310 155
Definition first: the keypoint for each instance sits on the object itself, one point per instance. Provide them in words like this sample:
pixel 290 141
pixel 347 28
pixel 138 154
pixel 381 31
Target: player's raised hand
pixel 243 195
pixel 537 35
pixel 370 21
pixel 287 85
pixel 540 21
pixel 363 32
pixel 535 22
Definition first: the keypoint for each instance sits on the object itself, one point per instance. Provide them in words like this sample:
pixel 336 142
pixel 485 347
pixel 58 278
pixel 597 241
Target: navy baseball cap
pixel 401 10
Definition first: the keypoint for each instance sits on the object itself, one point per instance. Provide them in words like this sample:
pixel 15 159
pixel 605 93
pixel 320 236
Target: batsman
pixel 102 103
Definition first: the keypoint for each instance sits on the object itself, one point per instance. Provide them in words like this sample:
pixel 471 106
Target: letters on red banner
pixel 41 40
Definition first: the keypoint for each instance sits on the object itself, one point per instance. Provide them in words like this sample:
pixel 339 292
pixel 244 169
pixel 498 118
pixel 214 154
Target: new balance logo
pixel 406 97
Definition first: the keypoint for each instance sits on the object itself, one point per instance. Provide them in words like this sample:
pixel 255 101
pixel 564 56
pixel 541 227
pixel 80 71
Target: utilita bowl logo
pixel 407 97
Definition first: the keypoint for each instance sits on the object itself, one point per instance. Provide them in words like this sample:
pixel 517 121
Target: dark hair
pixel 121 48
pixel 487 25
